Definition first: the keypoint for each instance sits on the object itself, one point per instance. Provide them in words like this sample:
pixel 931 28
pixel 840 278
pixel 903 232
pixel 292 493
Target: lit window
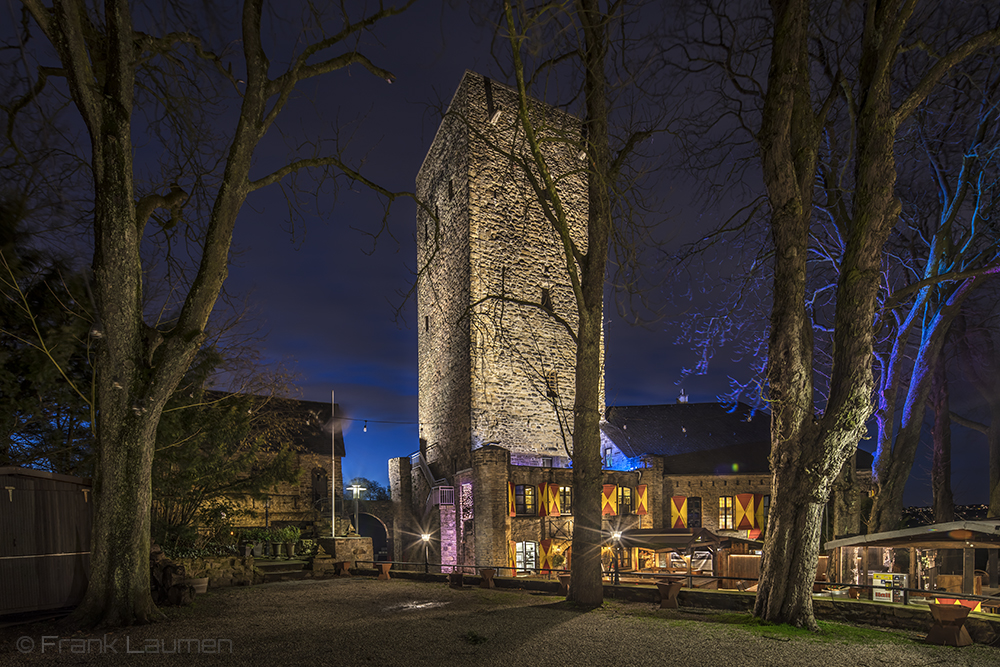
pixel 524 499
pixel 725 512
pixel 565 499
pixel 526 556
pixel 624 500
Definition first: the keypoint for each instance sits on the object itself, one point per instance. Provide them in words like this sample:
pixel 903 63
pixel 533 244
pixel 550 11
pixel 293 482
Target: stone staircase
pixel 282 569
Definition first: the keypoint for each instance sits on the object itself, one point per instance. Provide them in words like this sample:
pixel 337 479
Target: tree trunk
pixel 807 453
pixel 586 586
pixel 846 498
pixel 893 465
pixel 944 501
pixel 981 366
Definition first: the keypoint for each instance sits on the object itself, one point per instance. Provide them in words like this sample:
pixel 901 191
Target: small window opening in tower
pixel 546 299
pixel 427 323
pixel 451 191
pixel 552 384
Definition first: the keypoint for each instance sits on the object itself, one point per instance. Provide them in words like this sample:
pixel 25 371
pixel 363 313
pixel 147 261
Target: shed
pixel 45 528
pixel 964 535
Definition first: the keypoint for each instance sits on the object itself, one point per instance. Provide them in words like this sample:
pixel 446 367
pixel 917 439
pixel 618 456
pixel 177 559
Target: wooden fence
pixel 45 526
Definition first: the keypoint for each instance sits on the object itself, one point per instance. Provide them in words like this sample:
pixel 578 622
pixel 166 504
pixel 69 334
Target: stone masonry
pixel 494 366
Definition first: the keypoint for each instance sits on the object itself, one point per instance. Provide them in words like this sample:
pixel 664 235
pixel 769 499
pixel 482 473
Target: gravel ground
pixel 361 621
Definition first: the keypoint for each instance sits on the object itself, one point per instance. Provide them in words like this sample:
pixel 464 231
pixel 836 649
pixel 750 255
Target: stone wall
pixel 221 571
pixel 494 367
pixel 710 488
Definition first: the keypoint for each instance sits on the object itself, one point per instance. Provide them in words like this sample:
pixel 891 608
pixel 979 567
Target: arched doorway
pixel 371 526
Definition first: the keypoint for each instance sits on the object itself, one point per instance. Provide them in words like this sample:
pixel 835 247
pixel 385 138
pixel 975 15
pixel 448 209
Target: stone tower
pixel 495 367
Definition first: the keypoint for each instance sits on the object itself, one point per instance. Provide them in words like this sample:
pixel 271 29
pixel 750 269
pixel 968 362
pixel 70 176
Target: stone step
pixel 279 565
pixel 286 575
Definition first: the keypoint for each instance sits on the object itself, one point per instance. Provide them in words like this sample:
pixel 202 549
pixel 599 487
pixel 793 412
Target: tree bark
pixel 944 501
pixel 586 586
pixel 808 452
pixel 981 366
pixel 893 465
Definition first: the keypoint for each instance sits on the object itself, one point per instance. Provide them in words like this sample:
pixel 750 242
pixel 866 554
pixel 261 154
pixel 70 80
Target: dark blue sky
pixel 326 295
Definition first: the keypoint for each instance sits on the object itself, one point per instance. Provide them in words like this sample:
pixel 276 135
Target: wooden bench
pixel 384 576
pixel 487 574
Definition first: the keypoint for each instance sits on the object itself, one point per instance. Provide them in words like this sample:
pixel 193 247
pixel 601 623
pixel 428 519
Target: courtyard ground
pixel 362 621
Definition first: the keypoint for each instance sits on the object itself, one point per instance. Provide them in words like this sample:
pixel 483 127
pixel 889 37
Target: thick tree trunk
pixel 586 587
pixel 846 498
pixel 944 501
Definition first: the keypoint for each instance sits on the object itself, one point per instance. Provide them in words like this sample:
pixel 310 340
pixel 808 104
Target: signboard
pixel 887 587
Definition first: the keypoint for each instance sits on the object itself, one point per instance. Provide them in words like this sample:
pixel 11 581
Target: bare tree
pixel 589 56
pixel 948 248
pixel 153 74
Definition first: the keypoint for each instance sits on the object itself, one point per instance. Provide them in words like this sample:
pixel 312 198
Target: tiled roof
pixel 684 428
pixel 698 438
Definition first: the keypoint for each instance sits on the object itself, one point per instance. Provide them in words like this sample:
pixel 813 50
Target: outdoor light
pixel 366 426
pixel 357 489
pixel 426 537
pixel 617 535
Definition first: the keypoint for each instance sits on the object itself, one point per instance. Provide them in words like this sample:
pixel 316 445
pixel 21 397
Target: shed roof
pixel 950 535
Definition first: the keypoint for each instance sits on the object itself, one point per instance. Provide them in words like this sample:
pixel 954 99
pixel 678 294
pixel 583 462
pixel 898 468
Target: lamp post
pixel 426 538
pixel 357 489
pixel 617 536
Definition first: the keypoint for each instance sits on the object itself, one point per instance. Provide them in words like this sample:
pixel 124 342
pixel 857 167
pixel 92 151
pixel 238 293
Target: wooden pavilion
pixel 852 557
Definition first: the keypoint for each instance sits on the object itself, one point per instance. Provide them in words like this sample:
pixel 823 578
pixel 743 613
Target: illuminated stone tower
pixel 495 367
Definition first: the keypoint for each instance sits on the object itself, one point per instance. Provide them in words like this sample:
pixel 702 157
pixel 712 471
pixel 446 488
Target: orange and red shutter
pixel 609 500
pixel 543 499
pixel 511 510
pixel 641 500
pixel 743 514
pixel 545 556
pixel 679 512
pixel 553 502
pixel 758 516
pixel 974 605
pixel 512 555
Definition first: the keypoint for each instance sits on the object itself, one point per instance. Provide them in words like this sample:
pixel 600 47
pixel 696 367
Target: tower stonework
pixel 495 366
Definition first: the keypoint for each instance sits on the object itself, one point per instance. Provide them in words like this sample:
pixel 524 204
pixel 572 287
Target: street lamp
pixel 357 489
pixel 426 538
pixel 617 536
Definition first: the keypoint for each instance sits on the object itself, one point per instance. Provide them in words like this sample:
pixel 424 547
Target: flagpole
pixel 333 465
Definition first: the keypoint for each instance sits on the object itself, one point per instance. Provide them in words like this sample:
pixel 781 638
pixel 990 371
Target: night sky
pixel 326 295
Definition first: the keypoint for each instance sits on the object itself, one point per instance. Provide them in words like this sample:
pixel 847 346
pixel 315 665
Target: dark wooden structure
pixel 965 536
pixel 45 526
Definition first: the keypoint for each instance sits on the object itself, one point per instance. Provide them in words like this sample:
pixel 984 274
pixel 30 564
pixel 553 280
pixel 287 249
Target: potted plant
pixel 276 538
pixel 291 535
pixel 253 542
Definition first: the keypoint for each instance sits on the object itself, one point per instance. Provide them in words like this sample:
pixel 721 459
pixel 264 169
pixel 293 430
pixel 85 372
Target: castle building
pixel 491 483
